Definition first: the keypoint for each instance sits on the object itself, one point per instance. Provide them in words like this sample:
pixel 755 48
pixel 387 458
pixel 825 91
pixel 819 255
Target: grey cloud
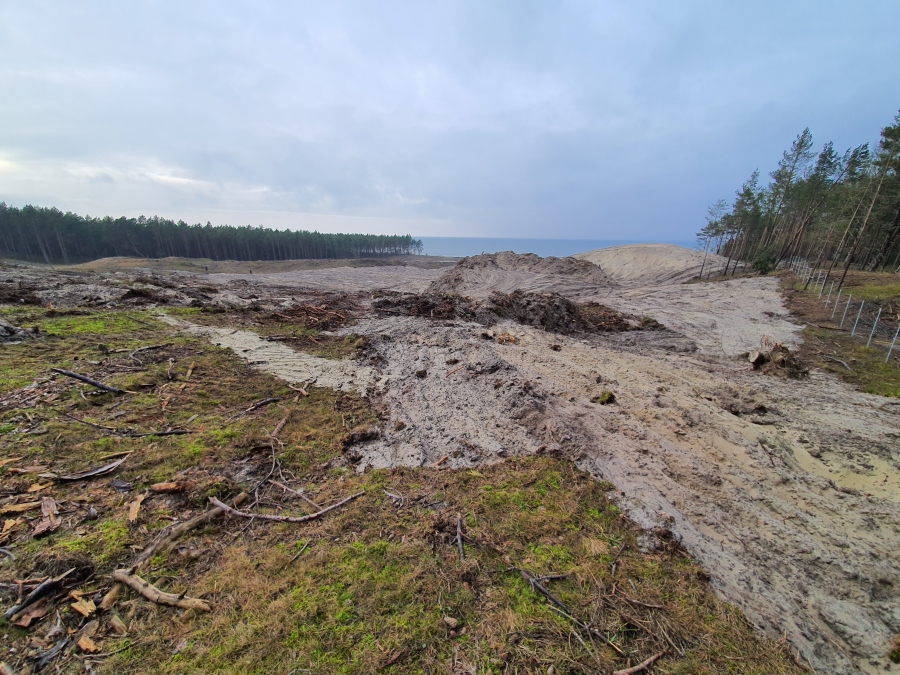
pixel 573 119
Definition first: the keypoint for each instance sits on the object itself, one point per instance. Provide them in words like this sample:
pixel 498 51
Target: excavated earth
pixel 786 490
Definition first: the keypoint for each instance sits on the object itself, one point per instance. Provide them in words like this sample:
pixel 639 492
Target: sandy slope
pixel 652 264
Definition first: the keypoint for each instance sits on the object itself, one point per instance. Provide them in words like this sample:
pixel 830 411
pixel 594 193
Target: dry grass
pixel 366 588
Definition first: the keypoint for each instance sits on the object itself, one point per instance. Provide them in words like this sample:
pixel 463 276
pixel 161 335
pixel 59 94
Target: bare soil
pixel 786 490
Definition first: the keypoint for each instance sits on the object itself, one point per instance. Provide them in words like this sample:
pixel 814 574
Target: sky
pixel 580 120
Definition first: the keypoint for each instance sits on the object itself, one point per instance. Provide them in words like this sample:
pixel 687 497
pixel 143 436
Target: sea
pixel 465 246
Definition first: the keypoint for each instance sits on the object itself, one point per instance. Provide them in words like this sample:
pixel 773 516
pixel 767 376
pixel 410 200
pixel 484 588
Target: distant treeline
pixel 49 235
pixel 833 209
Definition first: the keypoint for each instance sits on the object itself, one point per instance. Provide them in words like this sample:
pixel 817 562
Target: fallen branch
pixel 279 427
pixel 302 391
pixel 163 541
pixel 42 590
pixel 283 519
pixel 831 358
pixel 260 404
pixel 459 541
pixel 641 666
pixel 87 380
pixel 153 594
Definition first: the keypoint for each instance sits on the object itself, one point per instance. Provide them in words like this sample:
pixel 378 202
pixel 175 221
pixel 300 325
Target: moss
pixel 604 398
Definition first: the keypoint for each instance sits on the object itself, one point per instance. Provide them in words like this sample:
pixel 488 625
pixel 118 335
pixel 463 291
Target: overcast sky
pixel 604 120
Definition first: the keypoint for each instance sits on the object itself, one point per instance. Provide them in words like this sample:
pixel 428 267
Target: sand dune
pixel 652 264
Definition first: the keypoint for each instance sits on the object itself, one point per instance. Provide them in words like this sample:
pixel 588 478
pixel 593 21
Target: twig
pixel 455 370
pixel 613 564
pixel 283 519
pixel 459 541
pixel 260 404
pixel 153 594
pixel 831 358
pixel 302 391
pixel 539 587
pixel 766 450
pixel 87 380
pixel 296 492
pixel 641 666
pixel 303 548
pixel 280 426
pixel 642 604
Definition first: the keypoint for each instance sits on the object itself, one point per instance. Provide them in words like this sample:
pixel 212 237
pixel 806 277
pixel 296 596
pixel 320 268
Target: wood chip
pixel 84 607
pixel 49 518
pixel 9 460
pixel 19 508
pixel 117 625
pixel 37 487
pixel 134 508
pixel 87 645
pixel 172 487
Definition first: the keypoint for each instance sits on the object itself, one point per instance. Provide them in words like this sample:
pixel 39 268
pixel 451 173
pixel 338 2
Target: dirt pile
pixel 549 311
pixel 481 275
pixel 653 264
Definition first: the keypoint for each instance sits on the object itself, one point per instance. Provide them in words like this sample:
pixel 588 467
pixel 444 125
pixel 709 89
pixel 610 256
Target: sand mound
pixel 652 264
pixel 480 275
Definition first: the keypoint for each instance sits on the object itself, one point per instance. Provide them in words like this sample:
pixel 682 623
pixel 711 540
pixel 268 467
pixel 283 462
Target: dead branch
pixel 296 492
pixel 283 519
pixel 641 666
pixel 302 391
pixel 831 358
pixel 92 473
pixel 87 380
pixel 260 404
pixel 280 426
pixel 459 541
pixel 153 594
pixel 163 541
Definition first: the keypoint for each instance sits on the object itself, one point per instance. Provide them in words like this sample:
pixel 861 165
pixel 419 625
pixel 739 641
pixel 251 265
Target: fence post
pixel 856 323
pixel 831 288
pixel 874 326
pixel 849 298
pixel 836 300
pixel 892 344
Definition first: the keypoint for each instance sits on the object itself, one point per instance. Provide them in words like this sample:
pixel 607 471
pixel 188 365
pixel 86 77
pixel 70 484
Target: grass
pixel 825 346
pixel 377 586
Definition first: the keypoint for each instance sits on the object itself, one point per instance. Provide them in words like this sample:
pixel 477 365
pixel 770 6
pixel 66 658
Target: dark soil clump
pixel 550 311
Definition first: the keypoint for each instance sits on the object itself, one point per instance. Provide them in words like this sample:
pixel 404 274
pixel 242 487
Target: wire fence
pixel 877 325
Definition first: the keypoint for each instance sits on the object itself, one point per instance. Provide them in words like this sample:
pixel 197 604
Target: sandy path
pixel 280 360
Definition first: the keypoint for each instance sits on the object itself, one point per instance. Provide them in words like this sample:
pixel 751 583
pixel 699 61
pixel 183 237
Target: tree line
pixel 48 235
pixel 835 209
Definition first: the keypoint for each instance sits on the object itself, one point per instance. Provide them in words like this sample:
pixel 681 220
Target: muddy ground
pixel 785 490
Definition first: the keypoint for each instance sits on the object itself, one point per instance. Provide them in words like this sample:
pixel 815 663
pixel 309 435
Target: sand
pixel 653 264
